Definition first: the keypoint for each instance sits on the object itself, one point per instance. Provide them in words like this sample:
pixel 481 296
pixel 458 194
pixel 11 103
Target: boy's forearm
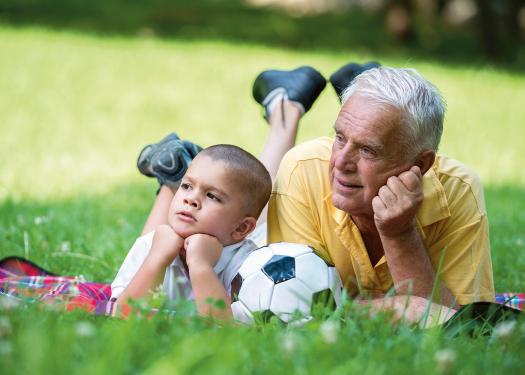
pixel 208 289
pixel 149 275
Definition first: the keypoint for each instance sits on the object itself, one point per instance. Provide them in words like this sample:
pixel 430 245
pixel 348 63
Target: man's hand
pixel 396 205
pixel 166 244
pixel 202 250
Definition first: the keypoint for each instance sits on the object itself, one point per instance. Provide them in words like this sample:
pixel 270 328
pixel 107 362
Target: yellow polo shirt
pixel 452 222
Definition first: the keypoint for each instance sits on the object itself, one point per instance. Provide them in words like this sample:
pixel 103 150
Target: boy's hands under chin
pixel 202 250
pixel 166 244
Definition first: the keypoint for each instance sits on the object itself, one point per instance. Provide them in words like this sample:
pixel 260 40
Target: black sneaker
pixel 302 85
pixel 342 78
pixel 167 160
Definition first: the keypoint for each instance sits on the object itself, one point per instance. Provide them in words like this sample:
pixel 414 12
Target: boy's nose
pixel 192 202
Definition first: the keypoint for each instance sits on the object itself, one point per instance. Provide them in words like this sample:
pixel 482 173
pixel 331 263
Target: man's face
pixel 366 152
pixel 207 201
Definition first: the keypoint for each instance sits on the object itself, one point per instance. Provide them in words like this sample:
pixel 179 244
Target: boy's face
pixel 207 202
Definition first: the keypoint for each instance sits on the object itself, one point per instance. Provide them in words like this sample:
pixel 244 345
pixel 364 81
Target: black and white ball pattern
pixel 284 280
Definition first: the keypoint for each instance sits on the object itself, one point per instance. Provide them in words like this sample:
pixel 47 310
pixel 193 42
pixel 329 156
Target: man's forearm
pixel 411 269
pixel 410 309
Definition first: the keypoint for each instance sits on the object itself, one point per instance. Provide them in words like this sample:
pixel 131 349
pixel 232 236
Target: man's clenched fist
pixel 397 203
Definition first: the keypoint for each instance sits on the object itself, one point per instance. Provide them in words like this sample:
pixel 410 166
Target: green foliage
pixel 74 112
pixel 346 28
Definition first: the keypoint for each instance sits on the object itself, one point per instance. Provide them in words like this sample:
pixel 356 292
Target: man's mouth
pixel 346 184
pixel 186 216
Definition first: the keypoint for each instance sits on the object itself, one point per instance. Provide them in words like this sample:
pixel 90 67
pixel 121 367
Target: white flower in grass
pixel 54 306
pixel 5 326
pixel 289 343
pixel 85 329
pixel 519 241
pixel 445 359
pixel 9 303
pixel 65 246
pixel 504 330
pixel 20 220
pixel 329 331
pixel 39 220
pixel 5 348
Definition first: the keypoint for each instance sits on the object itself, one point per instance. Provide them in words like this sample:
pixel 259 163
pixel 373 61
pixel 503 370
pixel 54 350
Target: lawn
pixel 75 111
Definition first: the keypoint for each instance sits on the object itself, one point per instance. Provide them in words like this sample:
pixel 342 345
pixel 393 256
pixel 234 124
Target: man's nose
pixel 345 159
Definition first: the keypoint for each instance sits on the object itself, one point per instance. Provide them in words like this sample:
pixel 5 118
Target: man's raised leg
pixel 285 97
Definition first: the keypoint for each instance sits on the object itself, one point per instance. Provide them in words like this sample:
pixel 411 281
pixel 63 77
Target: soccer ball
pixel 284 280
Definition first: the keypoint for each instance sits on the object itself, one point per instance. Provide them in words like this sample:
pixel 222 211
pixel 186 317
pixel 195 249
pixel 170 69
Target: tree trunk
pixel 488 29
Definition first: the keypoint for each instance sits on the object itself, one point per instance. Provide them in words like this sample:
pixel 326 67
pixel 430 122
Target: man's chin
pixel 344 203
pixel 341 202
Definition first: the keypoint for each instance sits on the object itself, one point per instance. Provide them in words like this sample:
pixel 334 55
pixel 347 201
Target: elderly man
pixel 376 200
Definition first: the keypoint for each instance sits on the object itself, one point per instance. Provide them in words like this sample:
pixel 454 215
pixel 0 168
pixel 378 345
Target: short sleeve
pixel 292 215
pixel 136 256
pixel 459 246
pixel 294 223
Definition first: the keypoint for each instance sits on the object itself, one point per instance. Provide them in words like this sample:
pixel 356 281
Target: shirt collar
pixel 227 254
pixel 435 204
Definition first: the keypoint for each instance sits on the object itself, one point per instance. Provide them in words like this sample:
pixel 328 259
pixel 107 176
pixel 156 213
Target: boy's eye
pixel 185 186
pixel 213 197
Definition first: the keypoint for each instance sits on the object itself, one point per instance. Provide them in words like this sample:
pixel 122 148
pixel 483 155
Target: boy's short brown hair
pixel 251 177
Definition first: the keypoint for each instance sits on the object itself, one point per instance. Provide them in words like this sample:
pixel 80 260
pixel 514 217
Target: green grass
pixel 74 112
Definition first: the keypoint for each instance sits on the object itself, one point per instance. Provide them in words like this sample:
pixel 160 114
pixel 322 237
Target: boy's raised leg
pixel 158 214
pixel 167 161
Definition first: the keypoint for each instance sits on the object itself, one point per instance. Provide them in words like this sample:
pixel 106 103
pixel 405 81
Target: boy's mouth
pixel 186 216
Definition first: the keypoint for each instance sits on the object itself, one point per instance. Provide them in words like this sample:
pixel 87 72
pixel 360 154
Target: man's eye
pixel 367 150
pixel 213 197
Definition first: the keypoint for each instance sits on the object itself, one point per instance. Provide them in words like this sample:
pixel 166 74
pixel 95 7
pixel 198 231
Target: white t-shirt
pixel 176 279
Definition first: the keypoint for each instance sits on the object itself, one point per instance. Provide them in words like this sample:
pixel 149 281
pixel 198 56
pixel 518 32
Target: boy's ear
pixel 244 228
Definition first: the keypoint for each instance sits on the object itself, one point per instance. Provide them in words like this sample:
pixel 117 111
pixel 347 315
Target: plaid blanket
pixel 22 280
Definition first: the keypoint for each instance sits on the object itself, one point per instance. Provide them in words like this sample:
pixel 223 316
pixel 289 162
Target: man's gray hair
pixel 406 90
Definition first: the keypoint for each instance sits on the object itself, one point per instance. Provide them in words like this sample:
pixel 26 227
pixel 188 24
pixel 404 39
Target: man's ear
pixel 425 160
pixel 245 227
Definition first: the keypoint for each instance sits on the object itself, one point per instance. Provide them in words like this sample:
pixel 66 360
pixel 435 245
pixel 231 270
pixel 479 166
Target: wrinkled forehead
pixel 369 114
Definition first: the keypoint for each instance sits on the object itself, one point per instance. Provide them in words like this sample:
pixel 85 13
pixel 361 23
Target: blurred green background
pixel 463 31
pixel 84 85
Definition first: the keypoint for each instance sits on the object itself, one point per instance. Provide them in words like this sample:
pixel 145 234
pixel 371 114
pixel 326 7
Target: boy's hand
pixel 202 250
pixel 166 244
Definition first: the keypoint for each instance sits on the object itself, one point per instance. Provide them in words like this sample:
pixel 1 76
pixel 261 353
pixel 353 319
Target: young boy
pixel 197 235
pixel 198 252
